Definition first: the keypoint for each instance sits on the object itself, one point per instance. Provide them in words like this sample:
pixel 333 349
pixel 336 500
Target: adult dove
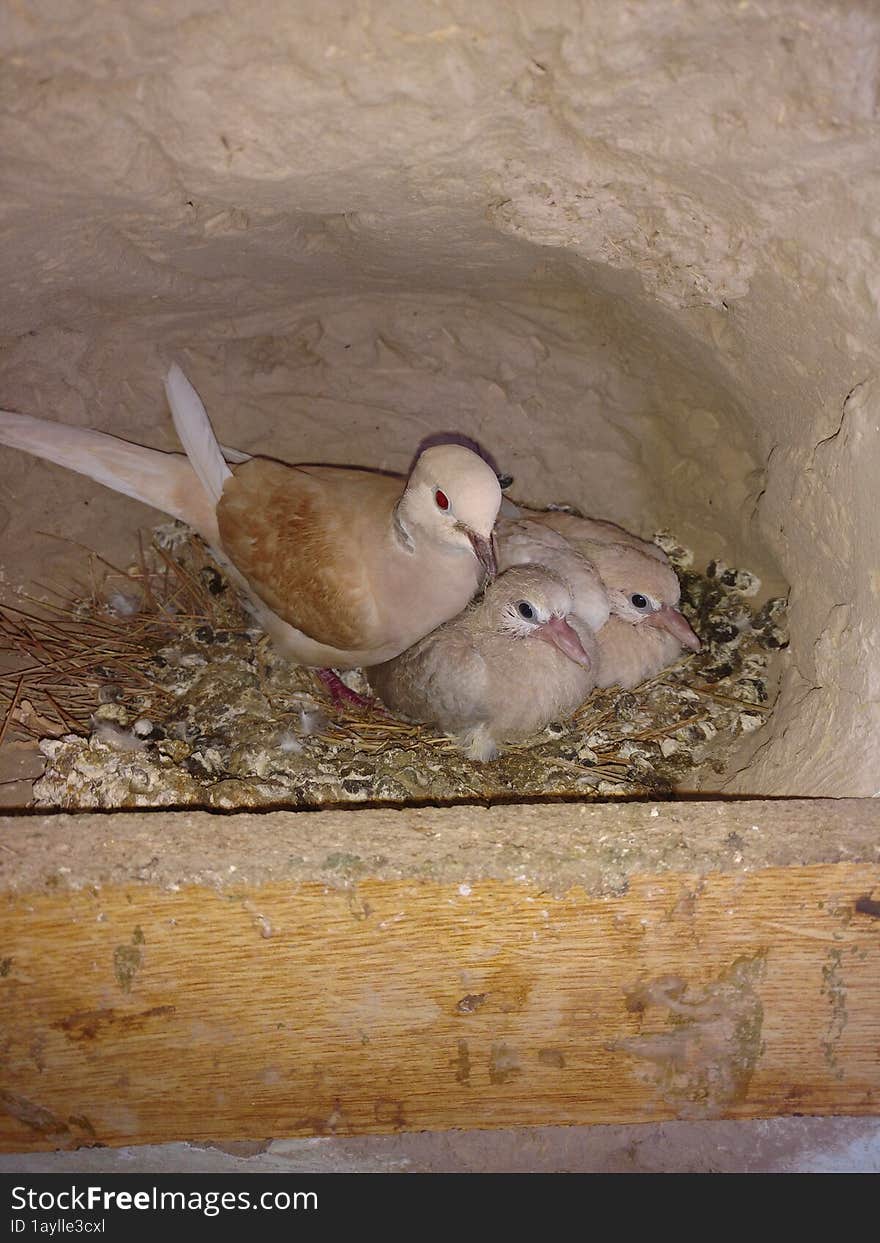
pixel 342 567
pixel 511 663
pixel 646 631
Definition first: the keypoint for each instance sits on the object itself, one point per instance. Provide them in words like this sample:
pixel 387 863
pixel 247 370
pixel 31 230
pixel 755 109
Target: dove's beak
pixel 670 619
pixel 484 551
pixel 561 635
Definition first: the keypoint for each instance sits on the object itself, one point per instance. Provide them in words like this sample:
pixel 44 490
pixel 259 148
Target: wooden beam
pixel 342 993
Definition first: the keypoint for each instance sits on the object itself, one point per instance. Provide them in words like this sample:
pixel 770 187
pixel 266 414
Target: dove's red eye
pixel 442 499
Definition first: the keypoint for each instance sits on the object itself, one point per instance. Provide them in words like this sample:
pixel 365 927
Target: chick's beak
pixel 484 551
pixel 670 619
pixel 561 635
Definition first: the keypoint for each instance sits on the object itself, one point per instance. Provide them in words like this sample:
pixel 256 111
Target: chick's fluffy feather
pixel 474 675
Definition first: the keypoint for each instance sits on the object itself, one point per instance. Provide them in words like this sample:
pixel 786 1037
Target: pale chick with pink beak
pixel 503 669
pixel 646 631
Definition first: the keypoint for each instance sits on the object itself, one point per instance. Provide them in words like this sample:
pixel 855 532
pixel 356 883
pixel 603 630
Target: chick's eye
pixel 525 610
pixel 638 602
pixel 441 499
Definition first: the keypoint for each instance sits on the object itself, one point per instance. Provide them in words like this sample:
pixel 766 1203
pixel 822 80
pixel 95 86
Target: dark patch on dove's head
pixel 466 442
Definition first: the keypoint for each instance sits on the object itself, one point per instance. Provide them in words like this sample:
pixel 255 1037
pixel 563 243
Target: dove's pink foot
pixel 339 692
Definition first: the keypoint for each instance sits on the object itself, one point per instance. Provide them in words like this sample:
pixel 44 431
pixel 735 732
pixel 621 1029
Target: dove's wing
pixel 306 540
pixel 195 432
pixel 524 541
pixel 630 654
pixel 456 682
pixel 443 680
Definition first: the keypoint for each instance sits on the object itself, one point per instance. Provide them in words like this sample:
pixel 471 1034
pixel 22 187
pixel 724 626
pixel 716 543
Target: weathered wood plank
pixel 138 1014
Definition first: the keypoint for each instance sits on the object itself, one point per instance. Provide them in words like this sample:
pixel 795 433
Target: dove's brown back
pixel 300 537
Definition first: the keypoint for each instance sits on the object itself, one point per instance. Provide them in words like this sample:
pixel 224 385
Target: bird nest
pixel 149 687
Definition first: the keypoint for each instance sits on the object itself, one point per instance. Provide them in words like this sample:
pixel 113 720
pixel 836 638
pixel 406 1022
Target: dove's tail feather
pixel 234 456
pixel 196 433
pixel 164 480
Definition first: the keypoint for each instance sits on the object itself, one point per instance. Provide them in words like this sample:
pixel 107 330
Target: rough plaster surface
pixel 593 846
pixel 633 248
pixel 776 1145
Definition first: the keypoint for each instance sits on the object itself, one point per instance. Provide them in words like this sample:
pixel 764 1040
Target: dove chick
pixel 526 542
pixel 508 665
pixel 646 631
